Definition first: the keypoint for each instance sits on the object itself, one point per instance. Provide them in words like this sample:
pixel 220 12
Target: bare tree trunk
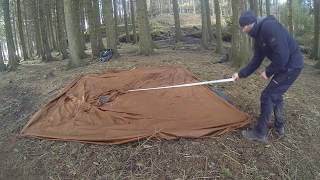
pixel 40 23
pixel 235 34
pixel 46 56
pixel 97 15
pixel 204 22
pixel 244 52
pixel 160 6
pixel 176 20
pixel 315 51
pixel 133 22
pixel 27 30
pixel 119 12
pixel 47 20
pixel 153 12
pixel 124 6
pixel 268 7
pixel 218 27
pixel 2 65
pixel 194 7
pixel 115 14
pixel 61 29
pixel 72 11
pixel 82 24
pixel 212 7
pixel 51 25
pixel 261 7
pixel 14 29
pixel 208 15
pixel 46 17
pixel 20 29
pixel 290 18
pixel 112 39
pixel 278 9
pixel 94 27
pixel 36 25
pixel 254 6
pixel 13 62
pixel 145 41
pixel 54 23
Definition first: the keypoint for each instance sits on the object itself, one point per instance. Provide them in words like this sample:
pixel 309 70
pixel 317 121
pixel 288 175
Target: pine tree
pixel 218 26
pixel 20 29
pixel 175 7
pixel 204 22
pixel 145 41
pixel 72 11
pixel 133 23
pixel 315 50
pixel 112 37
pixel 13 61
pixel 235 46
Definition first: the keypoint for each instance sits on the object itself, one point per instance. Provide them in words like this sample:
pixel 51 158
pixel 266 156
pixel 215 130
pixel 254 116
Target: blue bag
pixel 105 55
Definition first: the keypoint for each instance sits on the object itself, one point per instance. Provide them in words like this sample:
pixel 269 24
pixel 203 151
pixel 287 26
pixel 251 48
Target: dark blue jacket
pixel 273 41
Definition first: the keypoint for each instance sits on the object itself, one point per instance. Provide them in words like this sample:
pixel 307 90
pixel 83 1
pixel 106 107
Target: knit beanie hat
pixel 246 18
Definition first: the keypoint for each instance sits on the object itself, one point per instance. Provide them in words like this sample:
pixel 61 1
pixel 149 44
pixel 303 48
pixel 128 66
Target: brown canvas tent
pixel 97 108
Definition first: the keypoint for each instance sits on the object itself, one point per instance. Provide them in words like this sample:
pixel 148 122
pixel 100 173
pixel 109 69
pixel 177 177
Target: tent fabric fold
pixel 79 114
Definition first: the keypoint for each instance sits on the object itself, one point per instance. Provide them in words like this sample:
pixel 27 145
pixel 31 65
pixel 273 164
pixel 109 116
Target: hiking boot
pixel 252 136
pixel 280 132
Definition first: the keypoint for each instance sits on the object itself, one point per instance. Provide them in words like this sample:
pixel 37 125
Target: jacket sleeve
pixel 253 64
pixel 277 40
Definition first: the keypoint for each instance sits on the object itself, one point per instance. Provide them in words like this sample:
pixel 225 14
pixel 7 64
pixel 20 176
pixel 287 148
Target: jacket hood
pixel 257 26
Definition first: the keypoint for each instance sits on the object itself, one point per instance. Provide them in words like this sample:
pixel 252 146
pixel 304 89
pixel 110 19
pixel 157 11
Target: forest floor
pixel 297 156
pixel 229 156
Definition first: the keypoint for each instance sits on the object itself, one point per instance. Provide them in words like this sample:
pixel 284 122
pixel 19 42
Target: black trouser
pixel 272 100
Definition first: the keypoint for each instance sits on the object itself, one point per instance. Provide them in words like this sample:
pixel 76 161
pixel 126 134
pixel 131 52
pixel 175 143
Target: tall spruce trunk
pixel 268 7
pixel 14 29
pixel 208 15
pixel 290 18
pixel 27 30
pixel 145 41
pixel 2 65
pixel 61 29
pixel 218 27
pixel 254 6
pixel 72 19
pixel 43 4
pixel 204 22
pixel 13 61
pixel 82 23
pixel 133 23
pixel 93 29
pixel 235 46
pixel 119 12
pixel 36 26
pixel 20 29
pixel 51 31
pixel 175 7
pixel 40 23
pixel 125 16
pixel 260 8
pixel 244 45
pixel 112 39
pixel 315 51
pixel 96 11
pixel 194 7
pixel 115 14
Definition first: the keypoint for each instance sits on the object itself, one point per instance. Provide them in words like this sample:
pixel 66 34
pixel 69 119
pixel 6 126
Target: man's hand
pixel 235 76
pixel 264 75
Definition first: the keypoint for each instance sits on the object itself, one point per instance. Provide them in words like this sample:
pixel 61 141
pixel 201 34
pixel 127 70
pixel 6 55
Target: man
pixel 273 41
